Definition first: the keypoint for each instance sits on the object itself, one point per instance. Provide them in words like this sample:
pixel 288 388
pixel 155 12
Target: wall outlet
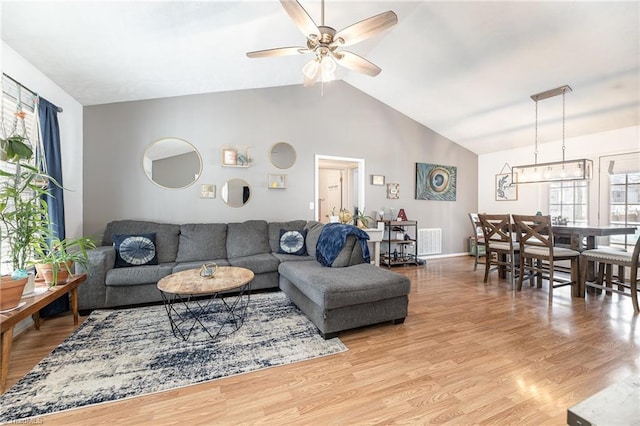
pixel 311 205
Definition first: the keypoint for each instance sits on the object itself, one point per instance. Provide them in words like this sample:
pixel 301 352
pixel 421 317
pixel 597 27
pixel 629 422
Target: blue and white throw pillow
pixel 292 242
pixel 135 250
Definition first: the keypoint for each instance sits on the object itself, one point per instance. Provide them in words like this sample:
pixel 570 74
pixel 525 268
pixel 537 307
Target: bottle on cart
pixel 395 254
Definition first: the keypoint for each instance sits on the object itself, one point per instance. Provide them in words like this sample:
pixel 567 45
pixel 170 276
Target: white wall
pixel 533 197
pixel 70 122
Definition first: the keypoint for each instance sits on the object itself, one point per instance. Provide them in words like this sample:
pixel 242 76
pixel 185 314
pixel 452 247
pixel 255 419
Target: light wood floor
pixel 468 353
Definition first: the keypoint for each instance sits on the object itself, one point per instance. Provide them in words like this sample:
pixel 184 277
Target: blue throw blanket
pixel 332 239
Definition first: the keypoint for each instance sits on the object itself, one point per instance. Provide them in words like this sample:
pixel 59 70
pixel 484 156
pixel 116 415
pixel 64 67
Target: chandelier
pixel 565 170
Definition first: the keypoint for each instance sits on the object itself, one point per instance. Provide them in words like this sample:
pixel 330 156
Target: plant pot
pixel 11 291
pixel 45 272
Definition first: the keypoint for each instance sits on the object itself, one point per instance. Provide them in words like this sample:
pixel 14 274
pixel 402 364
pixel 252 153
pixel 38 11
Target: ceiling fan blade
pixel 357 63
pixel 364 29
pixel 279 51
pixel 300 17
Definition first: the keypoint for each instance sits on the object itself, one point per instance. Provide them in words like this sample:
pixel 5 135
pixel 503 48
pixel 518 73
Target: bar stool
pixel 607 258
pixel 498 239
pixel 536 247
pixel 478 239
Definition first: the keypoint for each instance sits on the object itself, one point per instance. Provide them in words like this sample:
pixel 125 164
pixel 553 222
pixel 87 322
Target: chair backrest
pixel 496 227
pixel 477 226
pixel 635 257
pixel 534 230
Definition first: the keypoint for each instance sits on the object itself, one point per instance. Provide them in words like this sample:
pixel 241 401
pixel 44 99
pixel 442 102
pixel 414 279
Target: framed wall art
pixel 229 157
pixel 506 190
pixel 207 191
pixel 377 180
pixel 393 191
pixel 436 182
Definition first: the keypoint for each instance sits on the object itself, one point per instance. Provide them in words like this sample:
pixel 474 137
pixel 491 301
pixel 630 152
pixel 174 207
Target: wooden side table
pixel 30 308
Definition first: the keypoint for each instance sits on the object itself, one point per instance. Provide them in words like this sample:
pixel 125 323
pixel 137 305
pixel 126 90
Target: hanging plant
pixel 15 148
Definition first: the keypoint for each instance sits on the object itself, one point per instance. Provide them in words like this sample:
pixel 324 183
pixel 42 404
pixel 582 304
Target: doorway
pixel 339 185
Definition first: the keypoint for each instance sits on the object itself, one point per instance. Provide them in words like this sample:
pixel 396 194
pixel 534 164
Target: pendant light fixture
pixel 565 170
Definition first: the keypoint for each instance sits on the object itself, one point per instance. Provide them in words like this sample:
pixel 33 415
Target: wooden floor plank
pixel 468 353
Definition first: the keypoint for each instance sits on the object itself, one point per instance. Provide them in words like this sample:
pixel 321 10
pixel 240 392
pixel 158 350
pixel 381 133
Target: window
pixel 624 205
pixel 569 201
pixel 14 101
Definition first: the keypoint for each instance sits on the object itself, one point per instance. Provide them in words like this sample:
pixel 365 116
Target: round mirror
pixel 236 192
pixel 172 163
pixel 282 155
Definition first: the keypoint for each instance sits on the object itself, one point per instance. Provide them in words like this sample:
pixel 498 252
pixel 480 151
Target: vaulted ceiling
pixel 464 69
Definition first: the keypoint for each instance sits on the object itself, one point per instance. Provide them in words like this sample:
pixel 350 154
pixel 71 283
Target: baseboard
pixel 442 256
pixel 22 326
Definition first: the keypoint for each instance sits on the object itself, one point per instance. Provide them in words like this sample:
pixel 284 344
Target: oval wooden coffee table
pixel 188 298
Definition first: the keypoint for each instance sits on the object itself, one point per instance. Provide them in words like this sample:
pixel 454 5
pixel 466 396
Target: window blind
pixel 15 102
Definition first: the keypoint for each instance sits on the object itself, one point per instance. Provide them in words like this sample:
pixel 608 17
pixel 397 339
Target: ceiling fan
pixel 325 43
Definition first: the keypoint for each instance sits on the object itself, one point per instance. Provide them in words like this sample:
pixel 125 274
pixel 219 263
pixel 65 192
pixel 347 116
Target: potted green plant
pixel 55 258
pixel 15 148
pixel 23 215
pixel 360 219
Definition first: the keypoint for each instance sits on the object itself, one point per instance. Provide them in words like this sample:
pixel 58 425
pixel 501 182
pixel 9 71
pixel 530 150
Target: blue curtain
pixel 48 114
pixel 51 141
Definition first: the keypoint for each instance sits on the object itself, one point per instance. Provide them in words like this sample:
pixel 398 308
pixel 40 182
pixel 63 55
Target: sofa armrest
pixel 92 293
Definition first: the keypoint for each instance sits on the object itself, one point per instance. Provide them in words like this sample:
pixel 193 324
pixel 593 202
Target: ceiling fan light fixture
pixel 323 41
pixel 328 66
pixel 311 68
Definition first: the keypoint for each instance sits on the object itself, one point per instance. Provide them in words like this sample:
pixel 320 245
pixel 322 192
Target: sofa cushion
pixel 351 253
pixel 334 288
pixel 135 250
pixel 247 238
pixel 198 264
pixel 291 257
pixel 313 233
pixel 138 275
pixel 275 227
pixel 202 241
pixel 293 242
pixel 167 235
pixel 258 263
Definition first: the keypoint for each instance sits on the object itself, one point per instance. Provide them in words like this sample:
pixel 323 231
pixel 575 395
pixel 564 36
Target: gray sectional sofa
pixel 346 295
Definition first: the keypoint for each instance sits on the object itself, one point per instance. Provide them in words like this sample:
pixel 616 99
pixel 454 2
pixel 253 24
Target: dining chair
pixel 538 254
pixel 477 239
pixel 498 237
pixel 607 258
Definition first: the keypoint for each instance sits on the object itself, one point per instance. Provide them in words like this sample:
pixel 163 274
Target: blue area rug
pixel 124 353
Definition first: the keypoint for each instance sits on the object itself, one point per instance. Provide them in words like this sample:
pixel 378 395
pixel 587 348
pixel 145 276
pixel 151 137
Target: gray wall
pixel 342 122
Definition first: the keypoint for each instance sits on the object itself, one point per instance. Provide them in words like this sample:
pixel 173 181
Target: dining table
pixel 582 238
pixel 578 235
